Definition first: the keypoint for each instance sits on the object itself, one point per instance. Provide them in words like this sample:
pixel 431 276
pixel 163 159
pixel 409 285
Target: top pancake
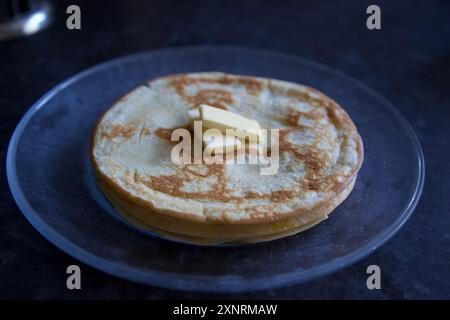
pixel 320 149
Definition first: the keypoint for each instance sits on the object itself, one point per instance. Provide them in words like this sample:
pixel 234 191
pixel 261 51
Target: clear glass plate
pixel 51 179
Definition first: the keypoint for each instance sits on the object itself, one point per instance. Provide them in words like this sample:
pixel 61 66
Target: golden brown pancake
pixel 320 155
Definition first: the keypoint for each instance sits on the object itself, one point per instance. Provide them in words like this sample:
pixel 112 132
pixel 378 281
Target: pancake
pixel 320 154
pixel 212 233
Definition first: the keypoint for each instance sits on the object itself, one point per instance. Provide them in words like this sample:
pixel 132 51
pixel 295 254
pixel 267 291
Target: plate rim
pixel 220 284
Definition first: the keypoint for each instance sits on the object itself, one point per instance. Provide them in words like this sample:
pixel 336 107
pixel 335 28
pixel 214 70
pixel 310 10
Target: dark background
pixel 407 61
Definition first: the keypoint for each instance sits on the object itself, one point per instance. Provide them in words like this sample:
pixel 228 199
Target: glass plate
pixel 51 179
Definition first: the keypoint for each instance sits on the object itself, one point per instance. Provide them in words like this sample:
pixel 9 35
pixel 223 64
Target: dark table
pixel 407 61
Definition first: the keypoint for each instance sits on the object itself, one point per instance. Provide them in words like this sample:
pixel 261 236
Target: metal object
pixel 19 18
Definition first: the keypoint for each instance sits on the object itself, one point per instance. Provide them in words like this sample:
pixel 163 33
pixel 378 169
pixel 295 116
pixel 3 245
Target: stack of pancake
pixel 320 153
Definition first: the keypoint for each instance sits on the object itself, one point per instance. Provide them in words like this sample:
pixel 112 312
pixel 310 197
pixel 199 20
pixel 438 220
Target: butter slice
pixel 222 120
pixel 220 145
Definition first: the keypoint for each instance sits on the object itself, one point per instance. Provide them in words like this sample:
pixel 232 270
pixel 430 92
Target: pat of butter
pixel 222 120
pixel 219 144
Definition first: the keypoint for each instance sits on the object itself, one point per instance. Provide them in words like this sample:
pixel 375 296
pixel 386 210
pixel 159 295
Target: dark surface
pixel 408 62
